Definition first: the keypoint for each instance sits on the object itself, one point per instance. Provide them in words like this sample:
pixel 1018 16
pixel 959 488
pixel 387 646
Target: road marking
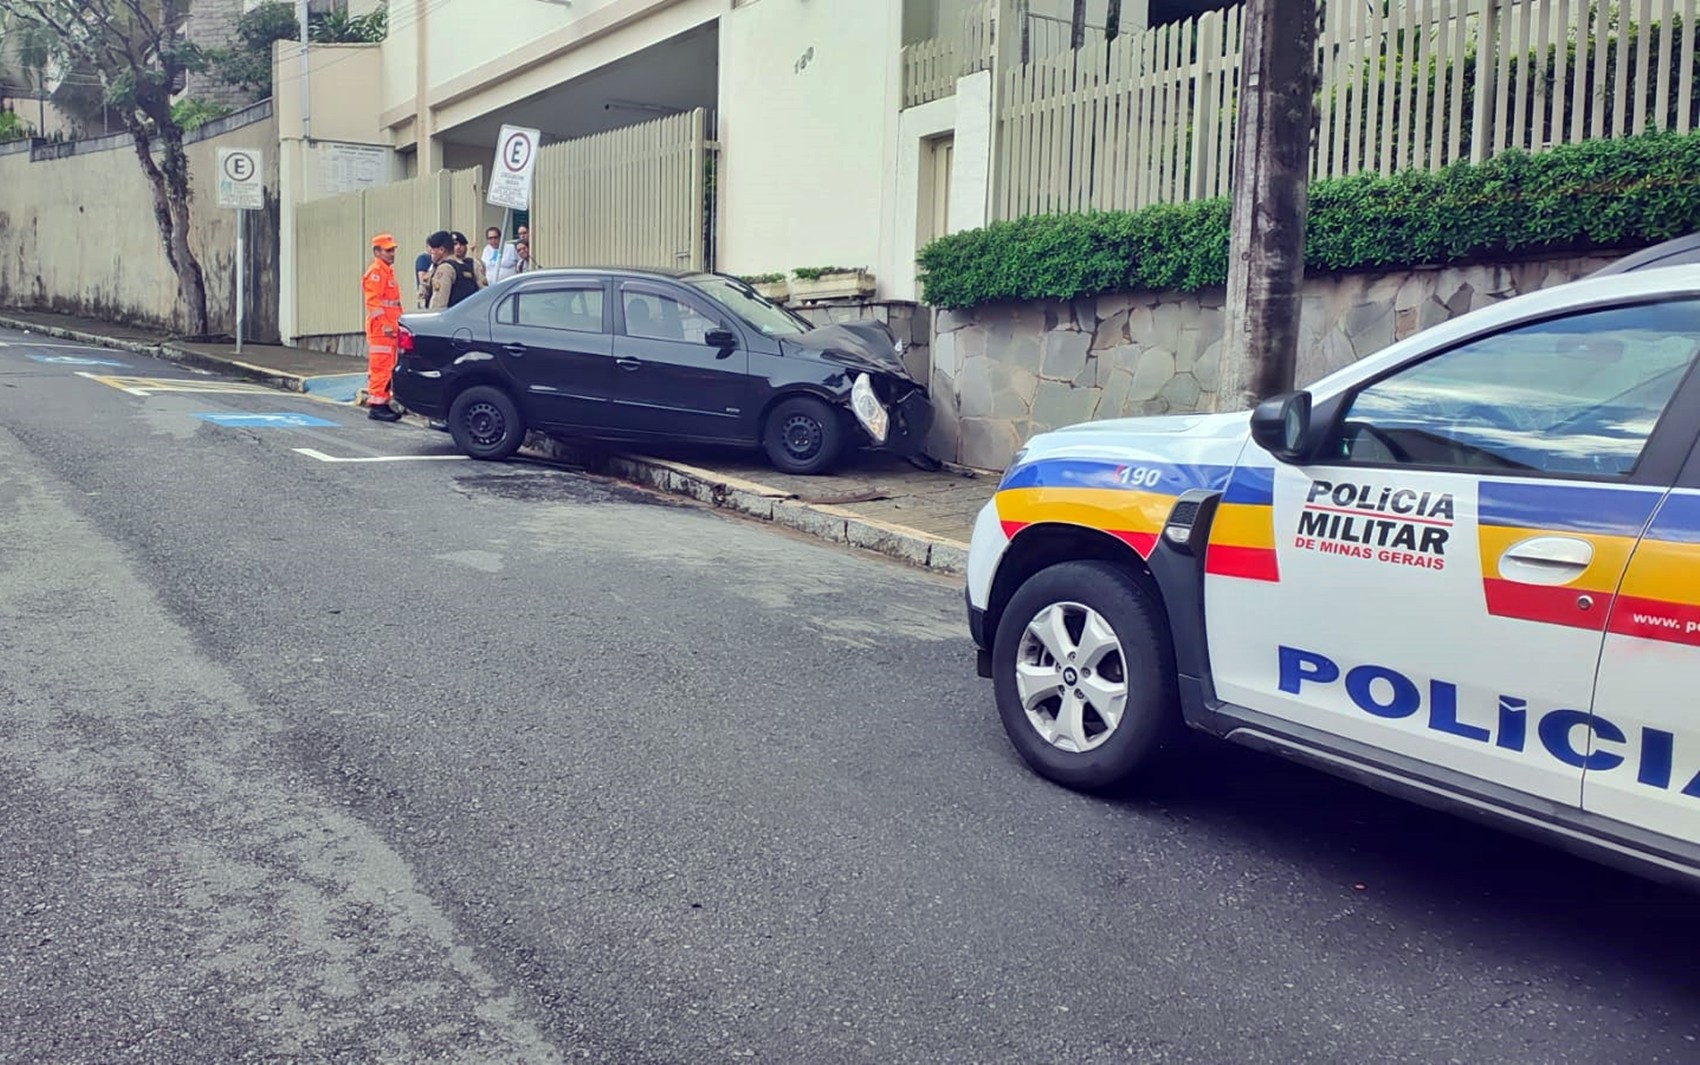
pixel 266 421
pixel 50 344
pixel 147 386
pixel 322 457
pixel 77 360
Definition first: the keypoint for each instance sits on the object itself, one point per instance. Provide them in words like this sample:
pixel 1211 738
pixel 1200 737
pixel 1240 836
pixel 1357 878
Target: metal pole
pixel 241 266
pixel 306 90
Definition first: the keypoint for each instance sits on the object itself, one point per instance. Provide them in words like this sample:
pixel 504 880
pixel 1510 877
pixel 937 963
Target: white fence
pixel 1149 117
pixel 332 242
pixel 931 66
pixel 638 196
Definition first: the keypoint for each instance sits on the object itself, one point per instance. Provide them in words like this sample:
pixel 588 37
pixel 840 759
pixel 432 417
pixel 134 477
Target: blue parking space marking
pixel 342 387
pixel 78 360
pixel 267 421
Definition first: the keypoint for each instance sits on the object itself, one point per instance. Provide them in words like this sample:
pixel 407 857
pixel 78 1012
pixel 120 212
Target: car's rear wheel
pixel 1084 676
pixel 486 424
pixel 803 435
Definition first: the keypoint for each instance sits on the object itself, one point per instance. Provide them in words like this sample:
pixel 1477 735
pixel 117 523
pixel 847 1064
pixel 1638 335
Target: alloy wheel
pixel 1071 676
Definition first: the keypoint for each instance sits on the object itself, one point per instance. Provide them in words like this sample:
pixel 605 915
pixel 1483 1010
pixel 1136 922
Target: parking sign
pixel 240 184
pixel 516 160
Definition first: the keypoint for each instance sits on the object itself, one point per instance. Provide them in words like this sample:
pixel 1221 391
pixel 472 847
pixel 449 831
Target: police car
pixel 1465 570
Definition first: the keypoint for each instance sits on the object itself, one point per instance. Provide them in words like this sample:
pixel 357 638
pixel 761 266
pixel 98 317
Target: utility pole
pixel 301 20
pixel 1270 190
pixel 1077 25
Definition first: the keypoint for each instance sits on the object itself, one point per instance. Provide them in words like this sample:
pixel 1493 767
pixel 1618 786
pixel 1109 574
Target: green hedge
pixel 1596 195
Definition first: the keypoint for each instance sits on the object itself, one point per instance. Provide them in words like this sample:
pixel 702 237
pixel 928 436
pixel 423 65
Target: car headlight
pixel 869 410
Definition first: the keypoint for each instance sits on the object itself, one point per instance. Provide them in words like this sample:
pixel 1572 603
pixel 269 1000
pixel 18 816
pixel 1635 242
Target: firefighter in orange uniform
pixel 383 312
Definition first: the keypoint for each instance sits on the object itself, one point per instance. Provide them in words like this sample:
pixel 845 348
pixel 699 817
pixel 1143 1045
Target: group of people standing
pixel 448 272
pixel 445 273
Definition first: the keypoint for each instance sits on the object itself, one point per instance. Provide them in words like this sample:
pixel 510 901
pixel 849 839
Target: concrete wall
pixel 1004 372
pixel 809 97
pixel 77 233
pixel 482 57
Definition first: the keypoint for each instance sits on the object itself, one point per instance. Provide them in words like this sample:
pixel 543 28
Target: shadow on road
pixel 1419 860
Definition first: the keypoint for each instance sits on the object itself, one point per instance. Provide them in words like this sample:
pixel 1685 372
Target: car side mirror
pixel 1281 425
pixel 724 339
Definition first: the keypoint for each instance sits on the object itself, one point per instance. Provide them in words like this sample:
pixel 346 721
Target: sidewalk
pixel 875 501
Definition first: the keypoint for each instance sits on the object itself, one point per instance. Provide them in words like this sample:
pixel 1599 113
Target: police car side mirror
pixel 1281 425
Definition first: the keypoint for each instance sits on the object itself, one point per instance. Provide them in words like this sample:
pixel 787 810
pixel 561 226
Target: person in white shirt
pixel 498 261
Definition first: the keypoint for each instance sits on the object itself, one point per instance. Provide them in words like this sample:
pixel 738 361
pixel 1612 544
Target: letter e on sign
pixel 241 184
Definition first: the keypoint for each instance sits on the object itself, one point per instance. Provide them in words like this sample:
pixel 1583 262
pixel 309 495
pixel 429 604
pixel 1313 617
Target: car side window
pixel 576 309
pixel 1576 395
pixel 652 316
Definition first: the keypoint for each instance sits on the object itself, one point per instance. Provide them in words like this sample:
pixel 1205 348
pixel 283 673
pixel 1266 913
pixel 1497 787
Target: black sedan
pixel 635 356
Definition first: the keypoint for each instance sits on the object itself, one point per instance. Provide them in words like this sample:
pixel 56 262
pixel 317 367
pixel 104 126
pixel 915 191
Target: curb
pixel 831 523
pixel 166 350
pixel 837 525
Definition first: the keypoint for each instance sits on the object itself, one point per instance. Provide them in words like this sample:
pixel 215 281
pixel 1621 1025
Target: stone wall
pixel 212 25
pixel 1004 372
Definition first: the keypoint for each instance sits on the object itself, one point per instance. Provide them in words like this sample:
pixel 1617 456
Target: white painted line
pixel 313 453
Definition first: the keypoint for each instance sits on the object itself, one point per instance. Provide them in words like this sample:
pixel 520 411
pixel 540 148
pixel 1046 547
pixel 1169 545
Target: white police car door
pixel 1644 768
pixel 1438 588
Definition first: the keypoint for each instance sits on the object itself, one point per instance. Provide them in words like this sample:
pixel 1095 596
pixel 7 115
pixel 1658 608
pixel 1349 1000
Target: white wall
pixel 914 128
pixel 809 149
pixel 485 55
pixel 971 178
pixel 461 37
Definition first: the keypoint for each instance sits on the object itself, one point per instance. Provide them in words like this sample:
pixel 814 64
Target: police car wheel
pixel 1084 677
pixel 486 424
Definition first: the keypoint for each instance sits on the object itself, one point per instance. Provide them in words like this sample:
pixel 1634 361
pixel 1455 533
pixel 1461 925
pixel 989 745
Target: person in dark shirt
pixel 453 279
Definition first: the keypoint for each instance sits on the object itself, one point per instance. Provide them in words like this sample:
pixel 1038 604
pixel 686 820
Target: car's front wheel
pixel 803 435
pixel 1084 676
pixel 486 424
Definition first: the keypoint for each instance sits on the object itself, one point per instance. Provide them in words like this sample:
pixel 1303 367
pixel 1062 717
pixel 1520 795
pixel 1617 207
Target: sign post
pixel 510 178
pixel 240 186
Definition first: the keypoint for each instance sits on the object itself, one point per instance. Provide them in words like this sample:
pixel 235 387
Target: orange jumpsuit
pixel 383 311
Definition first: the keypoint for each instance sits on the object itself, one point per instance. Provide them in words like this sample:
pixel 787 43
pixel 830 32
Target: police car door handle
pixel 627 363
pixel 514 349
pixel 1546 560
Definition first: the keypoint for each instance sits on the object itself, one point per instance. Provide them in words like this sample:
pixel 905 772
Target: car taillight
pixel 403 340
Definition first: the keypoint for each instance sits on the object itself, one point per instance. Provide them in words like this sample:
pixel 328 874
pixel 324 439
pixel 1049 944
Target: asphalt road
pixel 437 761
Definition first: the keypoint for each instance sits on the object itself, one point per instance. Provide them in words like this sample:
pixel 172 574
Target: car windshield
pixel 751 306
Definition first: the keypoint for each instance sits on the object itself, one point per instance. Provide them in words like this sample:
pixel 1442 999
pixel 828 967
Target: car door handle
pixel 628 364
pixel 1546 560
pixel 515 350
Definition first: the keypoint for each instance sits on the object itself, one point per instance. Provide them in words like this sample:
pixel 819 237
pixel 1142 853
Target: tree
pixel 248 65
pixel 137 51
pixel 1270 191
